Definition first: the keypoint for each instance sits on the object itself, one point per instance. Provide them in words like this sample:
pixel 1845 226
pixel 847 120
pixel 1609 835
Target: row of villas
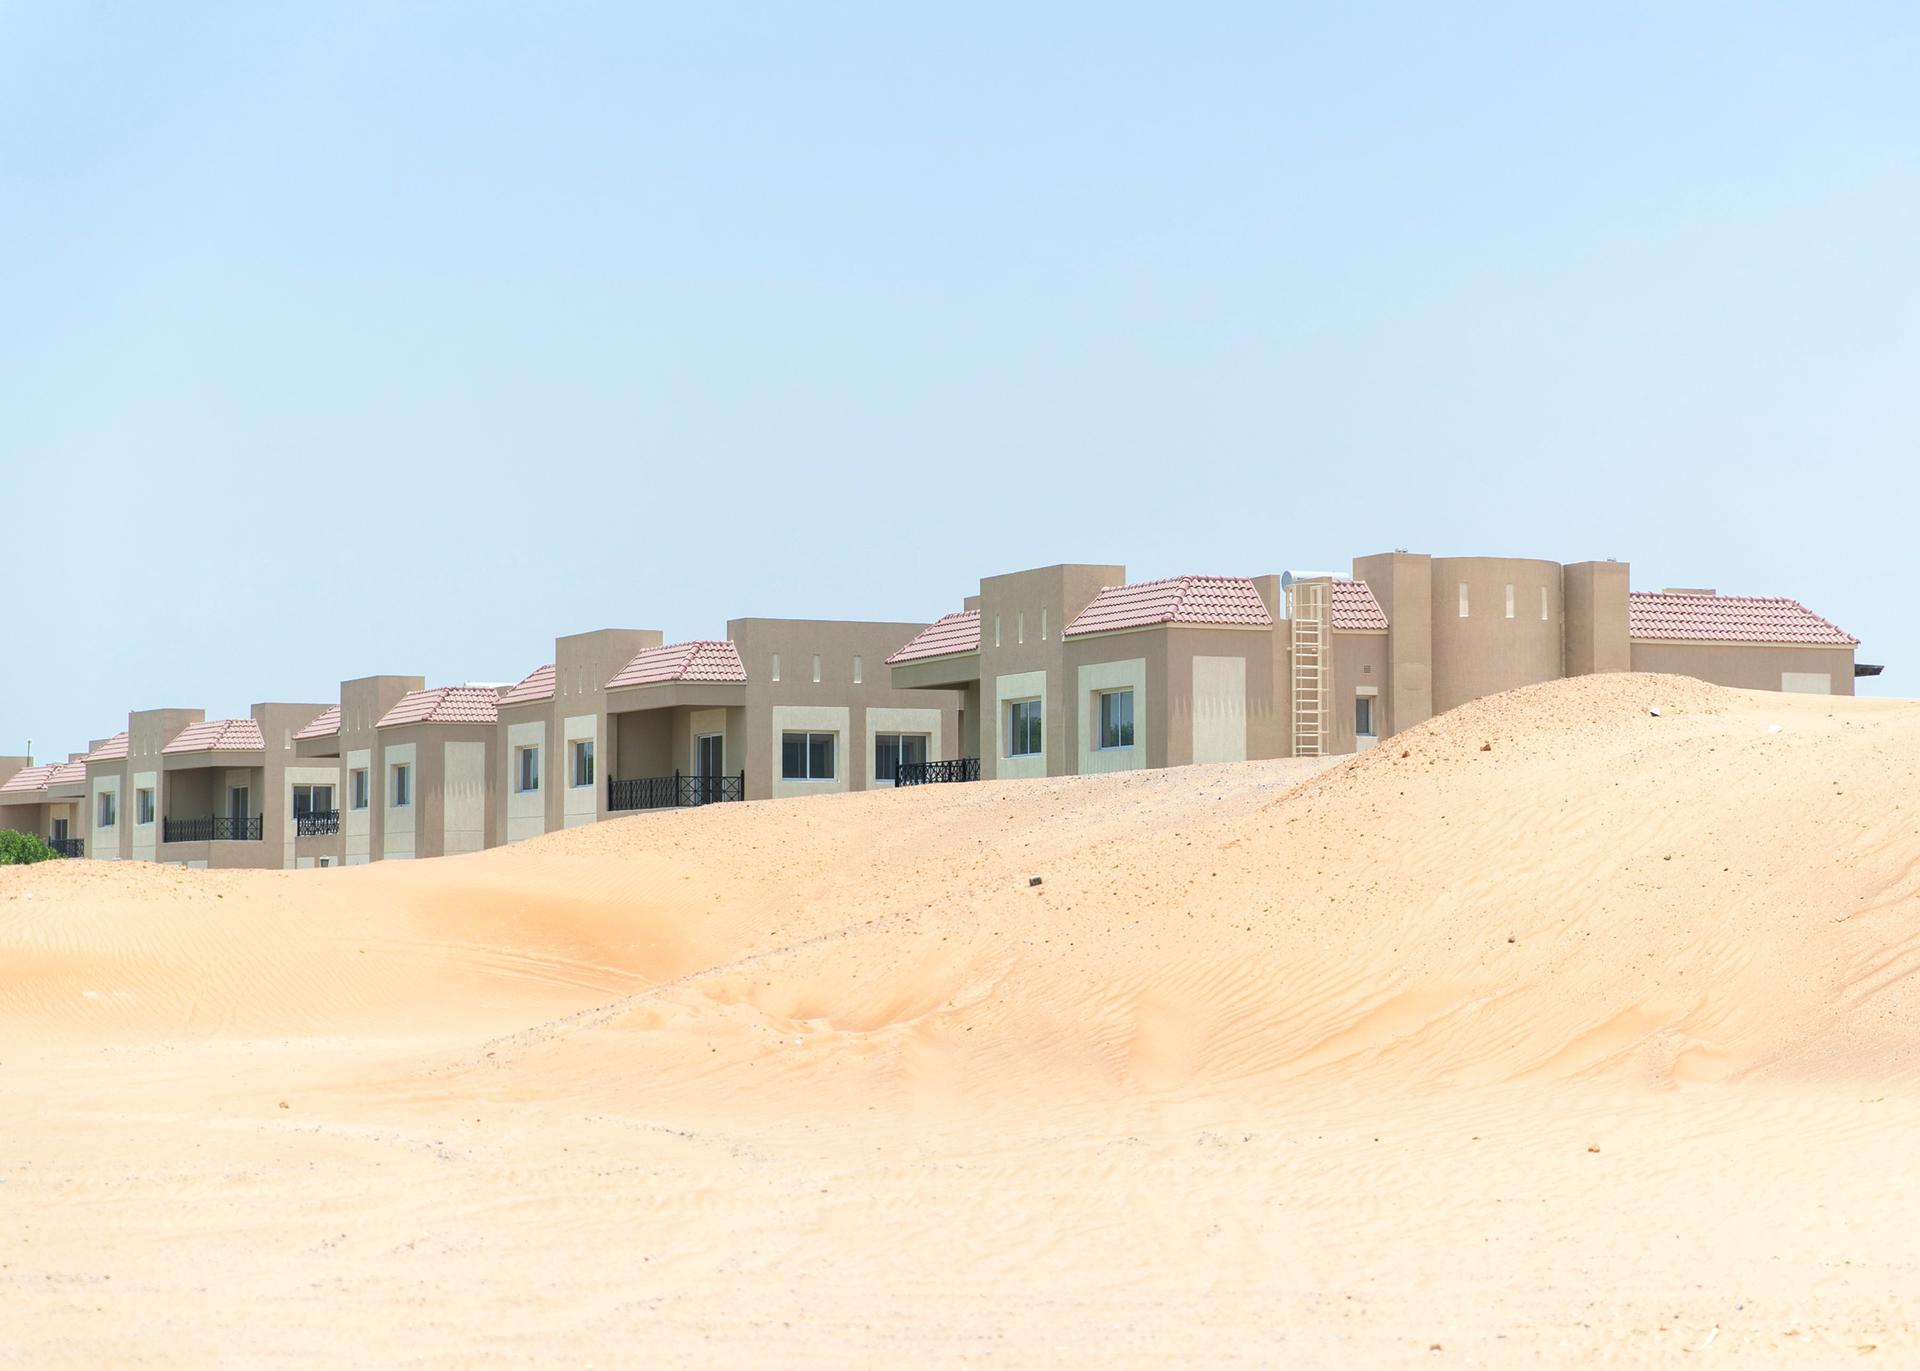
pixel 1064 670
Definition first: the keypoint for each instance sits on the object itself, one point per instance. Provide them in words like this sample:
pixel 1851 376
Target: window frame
pixel 143 806
pixel 310 787
pixel 809 737
pixel 899 738
pixel 1014 710
pixel 107 811
pixel 1100 743
pixel 580 748
pixel 1368 705
pixel 526 774
pixel 400 775
pixel 359 792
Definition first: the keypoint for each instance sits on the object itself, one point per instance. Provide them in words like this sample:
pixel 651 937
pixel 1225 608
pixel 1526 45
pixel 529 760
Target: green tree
pixel 19 849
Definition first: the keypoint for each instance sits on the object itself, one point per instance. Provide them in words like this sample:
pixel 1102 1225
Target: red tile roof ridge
pixel 712 661
pixel 461 704
pixel 218 735
pixel 1660 616
pixel 1222 601
pixel 535 686
pixel 113 749
pixel 950 635
pixel 324 725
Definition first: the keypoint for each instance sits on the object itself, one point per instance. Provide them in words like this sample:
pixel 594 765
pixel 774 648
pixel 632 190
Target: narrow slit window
pixel 1509 601
pixel 1463 599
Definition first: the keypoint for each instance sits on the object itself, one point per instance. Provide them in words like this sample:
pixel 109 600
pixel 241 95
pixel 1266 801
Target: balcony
pixel 320 823
pixel 937 773
pixel 675 791
pixel 212 829
pixel 68 847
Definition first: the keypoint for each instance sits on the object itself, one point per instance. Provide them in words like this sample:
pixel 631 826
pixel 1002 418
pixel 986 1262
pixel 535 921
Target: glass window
pixel 313 799
pixel 1363 715
pixel 1116 718
pixel 107 808
pixel 583 763
pixel 776 675
pixel 402 785
pixel 893 750
pixel 529 768
pixel 806 756
pixel 1023 728
pixel 816 668
pixel 856 670
pixel 360 788
pixel 143 806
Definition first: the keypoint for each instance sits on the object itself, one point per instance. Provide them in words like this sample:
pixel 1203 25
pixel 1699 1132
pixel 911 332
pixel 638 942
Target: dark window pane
pixel 793 756
pixel 886 756
pixel 820 762
pixel 913 748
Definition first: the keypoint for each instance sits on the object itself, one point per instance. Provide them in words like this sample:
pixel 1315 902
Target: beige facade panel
pixel 1121 680
pixel 526 808
pixel 1219 709
pixel 1009 758
pixel 463 798
pixel 812 721
pixel 1752 666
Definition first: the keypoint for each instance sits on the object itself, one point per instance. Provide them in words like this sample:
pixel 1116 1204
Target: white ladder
pixel 1307 606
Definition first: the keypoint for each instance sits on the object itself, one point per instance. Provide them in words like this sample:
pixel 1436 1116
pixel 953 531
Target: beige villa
pixel 1068 670
pixel 1062 670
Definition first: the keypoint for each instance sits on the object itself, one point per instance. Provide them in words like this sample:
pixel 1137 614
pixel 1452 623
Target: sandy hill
pixel 832 1082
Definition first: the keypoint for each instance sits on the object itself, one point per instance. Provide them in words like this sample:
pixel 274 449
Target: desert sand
pixel 1552 1032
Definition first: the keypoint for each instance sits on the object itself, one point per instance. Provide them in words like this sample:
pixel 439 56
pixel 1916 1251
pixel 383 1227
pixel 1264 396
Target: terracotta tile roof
pixel 696 661
pixel 1354 608
pixel 1729 619
pixel 537 686
pixel 113 749
pixel 68 773
pixel 326 726
pixel 218 735
pixel 946 636
pixel 1231 600
pixel 33 778
pixel 445 705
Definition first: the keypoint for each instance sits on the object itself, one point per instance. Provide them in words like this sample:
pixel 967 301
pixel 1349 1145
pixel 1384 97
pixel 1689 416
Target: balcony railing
pixel 675 791
pixel 212 829
pixel 937 773
pixel 68 847
pixel 319 824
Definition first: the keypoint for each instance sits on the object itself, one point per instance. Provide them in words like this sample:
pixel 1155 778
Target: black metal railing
pixel 68 847
pixel 937 773
pixel 318 824
pixel 675 791
pixel 214 828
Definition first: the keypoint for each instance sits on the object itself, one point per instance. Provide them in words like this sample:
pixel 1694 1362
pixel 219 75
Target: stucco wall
pixel 1747 666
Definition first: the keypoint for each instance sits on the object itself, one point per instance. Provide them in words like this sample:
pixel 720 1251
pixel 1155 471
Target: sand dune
pixel 1553 1030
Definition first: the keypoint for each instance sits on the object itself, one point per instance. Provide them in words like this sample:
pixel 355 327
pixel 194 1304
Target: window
pixel 1020 627
pixel 1363 716
pixel 143 806
pixel 1543 604
pixel 856 671
pixel 583 763
pixel 313 799
pixel 526 762
pixel 1043 624
pixel 1463 599
pixel 1509 601
pixel 816 668
pixel 1023 728
pixel 108 808
pixel 807 756
pixel 776 672
pixel 1116 718
pixel 359 776
pixel 996 630
pixel 893 750
pixel 402 785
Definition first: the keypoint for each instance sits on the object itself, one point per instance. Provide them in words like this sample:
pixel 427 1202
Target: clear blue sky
pixel 338 340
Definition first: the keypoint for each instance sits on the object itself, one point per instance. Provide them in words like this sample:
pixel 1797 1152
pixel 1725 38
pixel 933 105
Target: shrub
pixel 19 849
